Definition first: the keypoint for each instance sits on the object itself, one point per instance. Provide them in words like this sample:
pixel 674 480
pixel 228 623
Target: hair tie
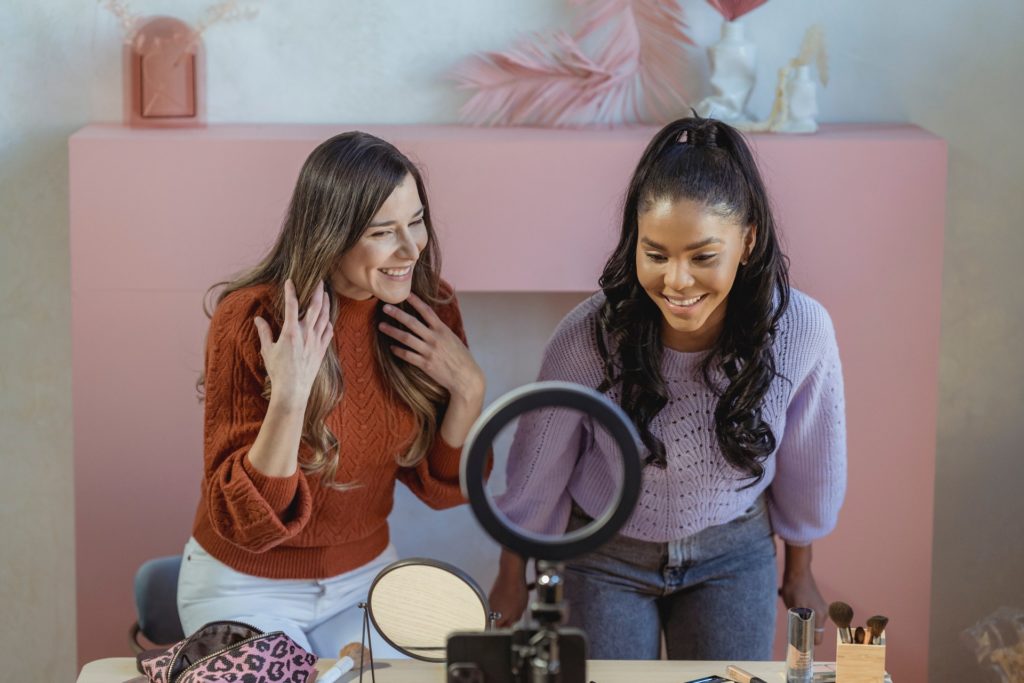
pixel 704 135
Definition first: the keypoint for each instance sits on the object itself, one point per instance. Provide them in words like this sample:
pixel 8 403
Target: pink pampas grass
pixel 551 81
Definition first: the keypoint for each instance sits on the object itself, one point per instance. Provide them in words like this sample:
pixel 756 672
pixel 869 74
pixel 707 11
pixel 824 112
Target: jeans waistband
pixel 751 526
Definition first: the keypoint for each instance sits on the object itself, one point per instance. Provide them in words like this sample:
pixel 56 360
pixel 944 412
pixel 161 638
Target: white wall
pixel 951 66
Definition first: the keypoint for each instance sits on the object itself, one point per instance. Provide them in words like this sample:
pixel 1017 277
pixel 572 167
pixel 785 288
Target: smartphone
pixel 488 657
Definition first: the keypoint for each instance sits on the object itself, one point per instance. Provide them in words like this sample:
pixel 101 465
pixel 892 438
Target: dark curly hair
pixel 707 161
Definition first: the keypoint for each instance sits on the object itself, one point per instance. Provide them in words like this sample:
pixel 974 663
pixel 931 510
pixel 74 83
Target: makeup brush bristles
pixel 876 626
pixel 353 650
pixel 841 615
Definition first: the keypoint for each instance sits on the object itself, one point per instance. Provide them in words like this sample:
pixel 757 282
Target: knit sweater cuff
pixel 279 492
pixel 445 460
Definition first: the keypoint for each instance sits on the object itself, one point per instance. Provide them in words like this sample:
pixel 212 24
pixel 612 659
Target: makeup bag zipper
pixel 170 666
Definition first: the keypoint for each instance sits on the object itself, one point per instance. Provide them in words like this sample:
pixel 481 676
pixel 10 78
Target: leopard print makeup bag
pixel 230 652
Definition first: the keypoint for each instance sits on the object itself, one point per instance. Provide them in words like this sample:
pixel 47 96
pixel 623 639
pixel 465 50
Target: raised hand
pixel 435 349
pixel 800 590
pixel 509 596
pixel 293 361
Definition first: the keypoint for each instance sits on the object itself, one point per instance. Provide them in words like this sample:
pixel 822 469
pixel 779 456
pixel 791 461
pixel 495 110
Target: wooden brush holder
pixel 860 663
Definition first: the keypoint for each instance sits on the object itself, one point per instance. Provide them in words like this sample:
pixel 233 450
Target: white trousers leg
pixel 322 615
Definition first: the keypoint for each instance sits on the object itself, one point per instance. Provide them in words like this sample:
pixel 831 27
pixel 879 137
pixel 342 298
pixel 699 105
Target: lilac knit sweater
pixel 557 456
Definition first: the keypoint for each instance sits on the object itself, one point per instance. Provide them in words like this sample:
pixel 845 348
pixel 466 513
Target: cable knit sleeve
pixel 435 480
pixel 248 509
pixel 810 477
pixel 548 443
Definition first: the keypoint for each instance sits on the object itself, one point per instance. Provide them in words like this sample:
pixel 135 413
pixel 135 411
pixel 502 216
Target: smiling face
pixel 381 263
pixel 687 257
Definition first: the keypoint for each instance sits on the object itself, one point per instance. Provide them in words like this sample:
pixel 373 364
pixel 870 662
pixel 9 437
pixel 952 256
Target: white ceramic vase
pixel 733 62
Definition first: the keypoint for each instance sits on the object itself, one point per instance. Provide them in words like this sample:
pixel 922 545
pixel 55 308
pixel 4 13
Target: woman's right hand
pixel 294 360
pixel 509 595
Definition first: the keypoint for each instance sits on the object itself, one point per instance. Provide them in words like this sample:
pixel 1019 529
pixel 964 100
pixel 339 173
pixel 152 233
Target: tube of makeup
pixel 741 676
pixel 340 668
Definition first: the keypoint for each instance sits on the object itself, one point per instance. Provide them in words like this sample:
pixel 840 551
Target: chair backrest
pixel 156 600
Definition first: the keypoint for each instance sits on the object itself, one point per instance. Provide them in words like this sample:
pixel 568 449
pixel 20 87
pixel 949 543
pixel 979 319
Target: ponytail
pixel 706 161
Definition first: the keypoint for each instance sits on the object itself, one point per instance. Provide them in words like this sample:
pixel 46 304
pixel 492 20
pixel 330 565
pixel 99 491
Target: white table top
pixel 120 669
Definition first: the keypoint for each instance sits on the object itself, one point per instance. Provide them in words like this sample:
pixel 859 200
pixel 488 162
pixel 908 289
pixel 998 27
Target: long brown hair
pixel 341 186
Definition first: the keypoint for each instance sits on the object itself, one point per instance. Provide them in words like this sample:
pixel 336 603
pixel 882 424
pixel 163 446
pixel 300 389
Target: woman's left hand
pixel 800 590
pixel 436 350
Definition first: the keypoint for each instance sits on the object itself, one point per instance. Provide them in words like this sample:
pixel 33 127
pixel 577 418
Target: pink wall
pixel 157 216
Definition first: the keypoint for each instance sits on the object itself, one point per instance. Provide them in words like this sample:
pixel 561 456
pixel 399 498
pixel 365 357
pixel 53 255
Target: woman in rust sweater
pixel 335 367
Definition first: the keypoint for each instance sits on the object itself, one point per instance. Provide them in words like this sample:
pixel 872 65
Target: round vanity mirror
pixel 416 603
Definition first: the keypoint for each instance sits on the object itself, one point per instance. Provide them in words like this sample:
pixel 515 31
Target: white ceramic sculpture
pixel 733 62
pixel 802 103
pixel 795 109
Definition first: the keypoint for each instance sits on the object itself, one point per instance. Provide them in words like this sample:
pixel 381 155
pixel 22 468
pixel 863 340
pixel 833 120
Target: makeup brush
pixel 741 676
pixel 841 615
pixel 858 635
pixel 350 657
pixel 353 650
pixel 876 626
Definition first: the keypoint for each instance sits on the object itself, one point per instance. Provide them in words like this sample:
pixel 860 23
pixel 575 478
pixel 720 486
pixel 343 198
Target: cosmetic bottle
pixel 800 651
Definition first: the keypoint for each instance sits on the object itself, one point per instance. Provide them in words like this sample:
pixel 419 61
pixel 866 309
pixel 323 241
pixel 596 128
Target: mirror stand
pixel 366 643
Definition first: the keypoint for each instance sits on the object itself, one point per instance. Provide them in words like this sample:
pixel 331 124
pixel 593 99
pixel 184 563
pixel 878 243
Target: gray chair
pixel 156 603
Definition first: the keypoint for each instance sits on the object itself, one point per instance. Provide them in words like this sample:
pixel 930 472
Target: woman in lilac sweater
pixel 733 381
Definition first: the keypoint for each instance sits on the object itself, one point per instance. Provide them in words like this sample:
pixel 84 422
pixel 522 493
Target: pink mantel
pixel 159 215
pixel 502 198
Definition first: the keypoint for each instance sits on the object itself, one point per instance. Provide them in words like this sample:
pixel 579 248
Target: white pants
pixel 321 615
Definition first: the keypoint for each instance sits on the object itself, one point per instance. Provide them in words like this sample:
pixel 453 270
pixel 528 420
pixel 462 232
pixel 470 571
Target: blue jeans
pixel 711 594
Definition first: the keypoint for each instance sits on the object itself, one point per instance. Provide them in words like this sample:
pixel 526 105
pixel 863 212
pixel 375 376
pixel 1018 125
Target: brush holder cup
pixel 860 663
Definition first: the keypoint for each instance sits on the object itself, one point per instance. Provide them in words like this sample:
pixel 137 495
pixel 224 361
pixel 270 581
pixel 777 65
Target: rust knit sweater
pixel 293 527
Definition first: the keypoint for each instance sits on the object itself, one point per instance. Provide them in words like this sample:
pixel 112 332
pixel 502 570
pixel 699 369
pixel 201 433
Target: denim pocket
pixel 194 550
pixel 204 576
